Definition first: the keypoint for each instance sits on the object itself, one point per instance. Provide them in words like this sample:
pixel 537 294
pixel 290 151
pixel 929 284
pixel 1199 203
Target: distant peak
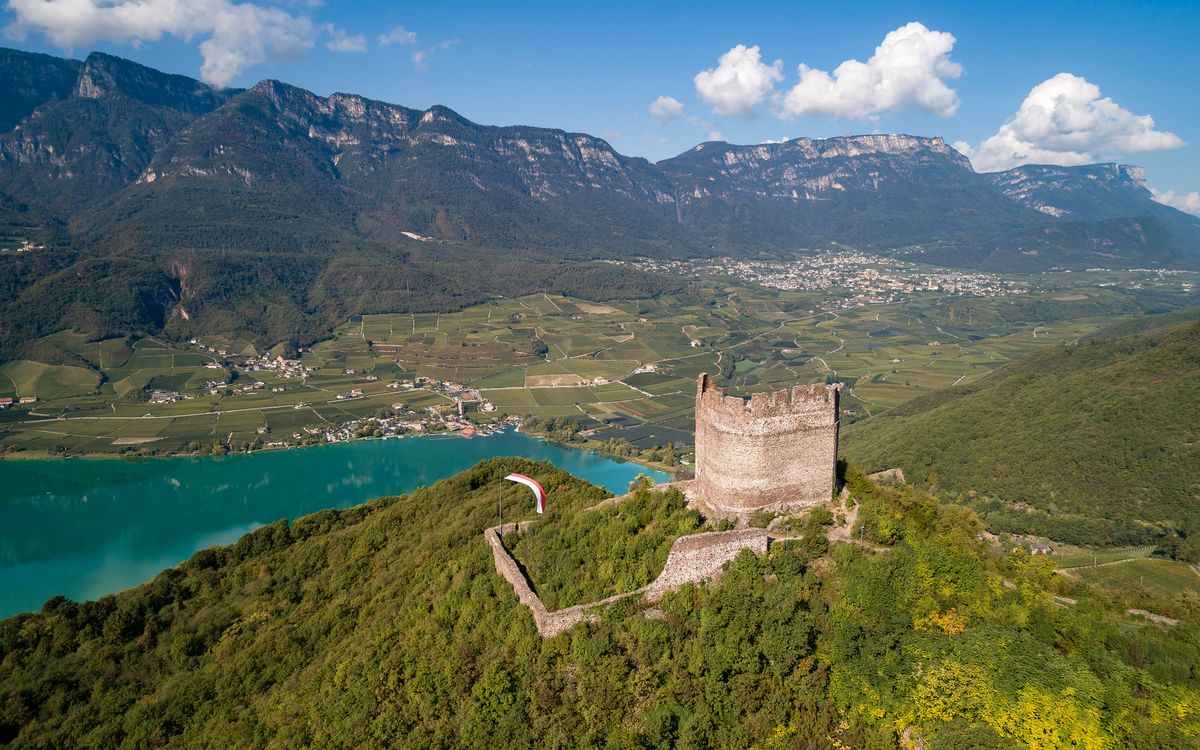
pixel 102 75
pixel 440 112
pixel 271 86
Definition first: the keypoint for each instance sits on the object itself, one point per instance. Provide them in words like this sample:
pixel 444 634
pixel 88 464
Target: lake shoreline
pixel 589 447
pixel 83 529
pixel 107 456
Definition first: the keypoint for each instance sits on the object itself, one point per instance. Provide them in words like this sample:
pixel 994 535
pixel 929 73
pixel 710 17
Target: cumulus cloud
pixel 343 41
pixel 740 82
pixel 666 108
pixel 398 35
pixel 909 69
pixel 1189 202
pixel 1065 120
pixel 238 35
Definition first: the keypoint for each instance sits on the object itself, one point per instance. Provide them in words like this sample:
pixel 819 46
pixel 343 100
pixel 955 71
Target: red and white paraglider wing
pixel 532 484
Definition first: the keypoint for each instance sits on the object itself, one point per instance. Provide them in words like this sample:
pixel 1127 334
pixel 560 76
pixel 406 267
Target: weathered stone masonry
pixel 776 451
pixel 692 559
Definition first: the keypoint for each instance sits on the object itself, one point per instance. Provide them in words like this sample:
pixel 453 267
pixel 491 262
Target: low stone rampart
pixel 549 624
pixel 692 559
pixel 700 557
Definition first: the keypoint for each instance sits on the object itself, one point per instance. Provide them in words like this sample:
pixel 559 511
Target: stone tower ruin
pixel 775 451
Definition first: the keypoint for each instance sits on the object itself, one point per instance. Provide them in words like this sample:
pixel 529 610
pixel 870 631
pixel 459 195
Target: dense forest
pixel 385 625
pixel 1093 443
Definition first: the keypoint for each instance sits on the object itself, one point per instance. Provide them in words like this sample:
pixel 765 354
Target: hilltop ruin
pixel 774 451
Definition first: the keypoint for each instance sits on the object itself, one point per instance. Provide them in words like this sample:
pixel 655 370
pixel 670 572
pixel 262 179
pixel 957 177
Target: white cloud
pixel 1189 202
pixel 739 83
pixel 1064 120
pixel 909 69
pixel 398 35
pixel 420 57
pixel 716 135
pixel 666 108
pixel 239 35
pixel 344 41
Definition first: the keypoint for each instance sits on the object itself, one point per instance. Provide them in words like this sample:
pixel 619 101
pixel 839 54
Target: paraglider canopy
pixel 538 492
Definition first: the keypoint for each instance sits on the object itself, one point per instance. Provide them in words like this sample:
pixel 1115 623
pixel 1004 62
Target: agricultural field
pixel 1067 556
pixel 629 365
pixel 1153 583
pixel 550 355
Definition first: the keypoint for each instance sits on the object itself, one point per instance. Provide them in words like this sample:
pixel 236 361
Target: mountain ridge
pixel 129 171
pixel 882 191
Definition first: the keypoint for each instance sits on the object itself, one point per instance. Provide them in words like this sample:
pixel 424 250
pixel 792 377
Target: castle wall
pixel 700 557
pixel 692 559
pixel 776 451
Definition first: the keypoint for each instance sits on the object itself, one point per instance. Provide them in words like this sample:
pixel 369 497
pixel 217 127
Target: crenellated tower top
pixel 815 404
pixel 773 450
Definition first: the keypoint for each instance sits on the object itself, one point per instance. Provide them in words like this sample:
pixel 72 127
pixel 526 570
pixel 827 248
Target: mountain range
pixel 275 212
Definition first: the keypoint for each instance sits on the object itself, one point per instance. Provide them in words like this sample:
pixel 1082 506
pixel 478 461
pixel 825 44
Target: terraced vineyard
pixel 1151 583
pixel 630 365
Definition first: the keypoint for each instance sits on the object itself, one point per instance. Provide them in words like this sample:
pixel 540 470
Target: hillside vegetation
pixel 1092 443
pixel 586 557
pixel 385 626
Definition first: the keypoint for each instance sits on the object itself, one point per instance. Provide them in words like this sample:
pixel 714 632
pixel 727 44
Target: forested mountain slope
pixel 385 625
pixel 1095 443
pixel 272 213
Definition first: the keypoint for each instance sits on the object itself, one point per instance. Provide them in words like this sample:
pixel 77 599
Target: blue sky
pixel 983 75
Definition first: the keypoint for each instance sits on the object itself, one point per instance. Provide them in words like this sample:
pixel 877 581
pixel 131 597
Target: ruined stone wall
pixel 692 559
pixel 776 451
pixel 697 558
pixel 549 624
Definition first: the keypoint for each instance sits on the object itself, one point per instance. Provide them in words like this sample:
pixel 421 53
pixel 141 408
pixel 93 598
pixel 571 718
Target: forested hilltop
pixel 1091 443
pixel 385 626
pixel 134 201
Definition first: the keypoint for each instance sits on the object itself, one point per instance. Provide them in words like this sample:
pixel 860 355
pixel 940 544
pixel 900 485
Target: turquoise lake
pixel 83 528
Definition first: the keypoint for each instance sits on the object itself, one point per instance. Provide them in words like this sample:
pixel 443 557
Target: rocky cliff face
pixel 91 140
pixel 432 173
pixel 277 168
pixel 875 191
pixel 808 170
pixel 1094 191
pixel 1105 195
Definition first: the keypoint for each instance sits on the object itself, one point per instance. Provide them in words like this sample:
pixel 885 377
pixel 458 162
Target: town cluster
pixel 25 247
pixel 854 279
pixel 396 422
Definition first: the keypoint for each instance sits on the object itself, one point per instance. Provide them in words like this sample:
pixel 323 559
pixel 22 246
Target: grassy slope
pixel 49 381
pixel 1102 436
pixel 385 626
